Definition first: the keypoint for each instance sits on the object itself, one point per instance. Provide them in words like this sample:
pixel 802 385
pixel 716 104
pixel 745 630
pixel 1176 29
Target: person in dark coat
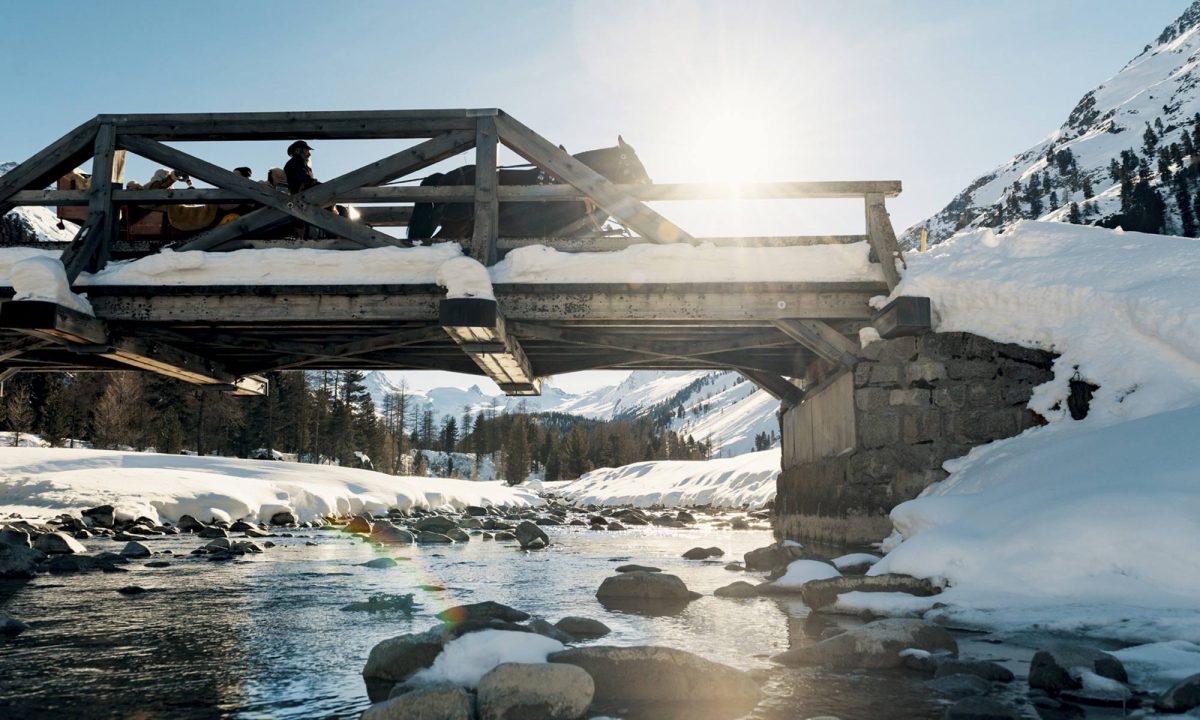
pixel 299 168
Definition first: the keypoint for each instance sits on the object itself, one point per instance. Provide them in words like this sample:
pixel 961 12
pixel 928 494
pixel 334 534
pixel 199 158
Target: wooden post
pixel 487 180
pixel 90 251
pixel 883 239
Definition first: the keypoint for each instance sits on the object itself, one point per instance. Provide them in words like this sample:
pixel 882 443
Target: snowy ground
pixel 742 481
pixel 38 482
pixel 1089 527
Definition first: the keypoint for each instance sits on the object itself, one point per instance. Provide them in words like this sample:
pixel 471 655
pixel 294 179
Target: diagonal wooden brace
pixel 822 340
pixel 389 168
pixel 629 210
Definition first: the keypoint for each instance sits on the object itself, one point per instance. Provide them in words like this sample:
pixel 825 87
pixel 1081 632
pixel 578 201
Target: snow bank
pixel 742 481
pixel 1089 527
pixel 652 263
pixel 48 481
pixel 464 660
pixel 45 278
pixel 1119 306
pixel 1081 527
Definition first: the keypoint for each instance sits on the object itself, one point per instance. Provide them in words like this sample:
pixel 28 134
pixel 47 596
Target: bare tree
pixel 115 419
pixel 19 411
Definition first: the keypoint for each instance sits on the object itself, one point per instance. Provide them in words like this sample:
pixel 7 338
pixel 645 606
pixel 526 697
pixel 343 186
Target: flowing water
pixel 264 636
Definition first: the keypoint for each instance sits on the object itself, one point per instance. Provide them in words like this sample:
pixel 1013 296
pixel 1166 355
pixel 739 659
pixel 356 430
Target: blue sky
pixel 931 93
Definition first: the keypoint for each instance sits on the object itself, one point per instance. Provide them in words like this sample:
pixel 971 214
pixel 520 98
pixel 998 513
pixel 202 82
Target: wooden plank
pixel 904 316
pixel 822 340
pixel 291 125
pixel 22 346
pixel 49 164
pixel 776 386
pixel 212 174
pixel 561 193
pixel 92 249
pixel 487 208
pixel 744 303
pixel 616 243
pixel 396 165
pixel 687 348
pixel 882 237
pixel 633 213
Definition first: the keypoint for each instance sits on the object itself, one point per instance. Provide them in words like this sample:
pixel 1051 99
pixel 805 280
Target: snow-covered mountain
pixel 719 407
pixel 29 224
pixel 1078 173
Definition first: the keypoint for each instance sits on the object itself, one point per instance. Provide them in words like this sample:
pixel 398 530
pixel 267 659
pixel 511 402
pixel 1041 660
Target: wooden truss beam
pixel 389 168
pixel 822 340
pixel 212 174
pixel 49 164
pixel 477 326
pixel 694 303
pixel 342 125
pixel 88 335
pixel 883 241
pixel 777 386
pixel 630 211
pixel 91 247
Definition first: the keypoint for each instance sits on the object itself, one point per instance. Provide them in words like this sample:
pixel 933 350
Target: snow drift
pixel 742 481
pixel 40 482
pixel 1089 526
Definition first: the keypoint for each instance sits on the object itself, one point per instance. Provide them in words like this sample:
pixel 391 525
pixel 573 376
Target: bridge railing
pixel 448 133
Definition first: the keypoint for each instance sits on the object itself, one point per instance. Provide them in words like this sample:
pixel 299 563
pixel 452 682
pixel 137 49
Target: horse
pixel 618 164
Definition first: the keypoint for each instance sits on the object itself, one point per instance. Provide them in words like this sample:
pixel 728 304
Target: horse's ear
pixel 621 142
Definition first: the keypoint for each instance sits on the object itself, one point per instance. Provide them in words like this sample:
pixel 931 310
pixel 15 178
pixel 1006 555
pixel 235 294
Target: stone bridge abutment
pixel 864 442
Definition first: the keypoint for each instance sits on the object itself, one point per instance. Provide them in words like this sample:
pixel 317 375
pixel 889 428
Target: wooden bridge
pixel 228 336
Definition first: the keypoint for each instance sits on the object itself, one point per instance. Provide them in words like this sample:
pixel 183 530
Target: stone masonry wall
pixel 917 402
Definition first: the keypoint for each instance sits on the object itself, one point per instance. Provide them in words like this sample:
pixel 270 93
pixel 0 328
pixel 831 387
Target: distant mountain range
pixel 1140 127
pixel 720 407
pixel 31 224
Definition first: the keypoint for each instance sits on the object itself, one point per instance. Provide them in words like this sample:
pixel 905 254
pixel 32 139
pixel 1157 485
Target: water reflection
pixel 265 637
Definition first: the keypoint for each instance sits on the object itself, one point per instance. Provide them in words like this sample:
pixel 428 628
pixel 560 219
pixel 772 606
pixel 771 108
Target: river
pixel 264 637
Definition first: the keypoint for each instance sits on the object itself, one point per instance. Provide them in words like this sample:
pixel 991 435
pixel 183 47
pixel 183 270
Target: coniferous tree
pixel 1086 185
pixel 516 452
pixel 1149 140
pixel 18 412
pixel 1073 215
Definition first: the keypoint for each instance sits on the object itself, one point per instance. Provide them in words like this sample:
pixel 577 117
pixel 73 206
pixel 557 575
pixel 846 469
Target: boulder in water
pixel 624 675
pixel 433 702
pixel 531 536
pixel 1057 667
pixel 535 691
pixel 874 645
pixel 58 543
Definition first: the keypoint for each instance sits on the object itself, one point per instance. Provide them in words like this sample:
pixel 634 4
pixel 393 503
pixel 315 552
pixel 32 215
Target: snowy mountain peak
pixel 1127 154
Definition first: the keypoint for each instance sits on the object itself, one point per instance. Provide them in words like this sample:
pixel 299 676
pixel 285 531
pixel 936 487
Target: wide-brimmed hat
pixel 298 145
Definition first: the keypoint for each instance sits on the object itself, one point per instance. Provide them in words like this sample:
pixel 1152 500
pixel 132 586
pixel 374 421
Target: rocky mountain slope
pixel 1128 155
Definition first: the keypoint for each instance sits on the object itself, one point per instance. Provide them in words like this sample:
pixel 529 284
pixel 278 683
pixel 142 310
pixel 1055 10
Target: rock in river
pixel 535 691
pixel 56 543
pixel 1180 697
pixel 874 645
pixel 823 592
pixel 739 589
pixel 394 659
pixel 135 549
pixel 657 674
pixel 1057 667
pixel 644 586
pixel 582 628
pixel 386 533
pixel 531 536
pixel 435 702
pixel 360 525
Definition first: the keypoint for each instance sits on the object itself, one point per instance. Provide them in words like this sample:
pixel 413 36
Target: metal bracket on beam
pixel 904 316
pixel 477 326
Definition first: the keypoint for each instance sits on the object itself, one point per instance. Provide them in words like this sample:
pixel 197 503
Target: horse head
pixel 619 164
